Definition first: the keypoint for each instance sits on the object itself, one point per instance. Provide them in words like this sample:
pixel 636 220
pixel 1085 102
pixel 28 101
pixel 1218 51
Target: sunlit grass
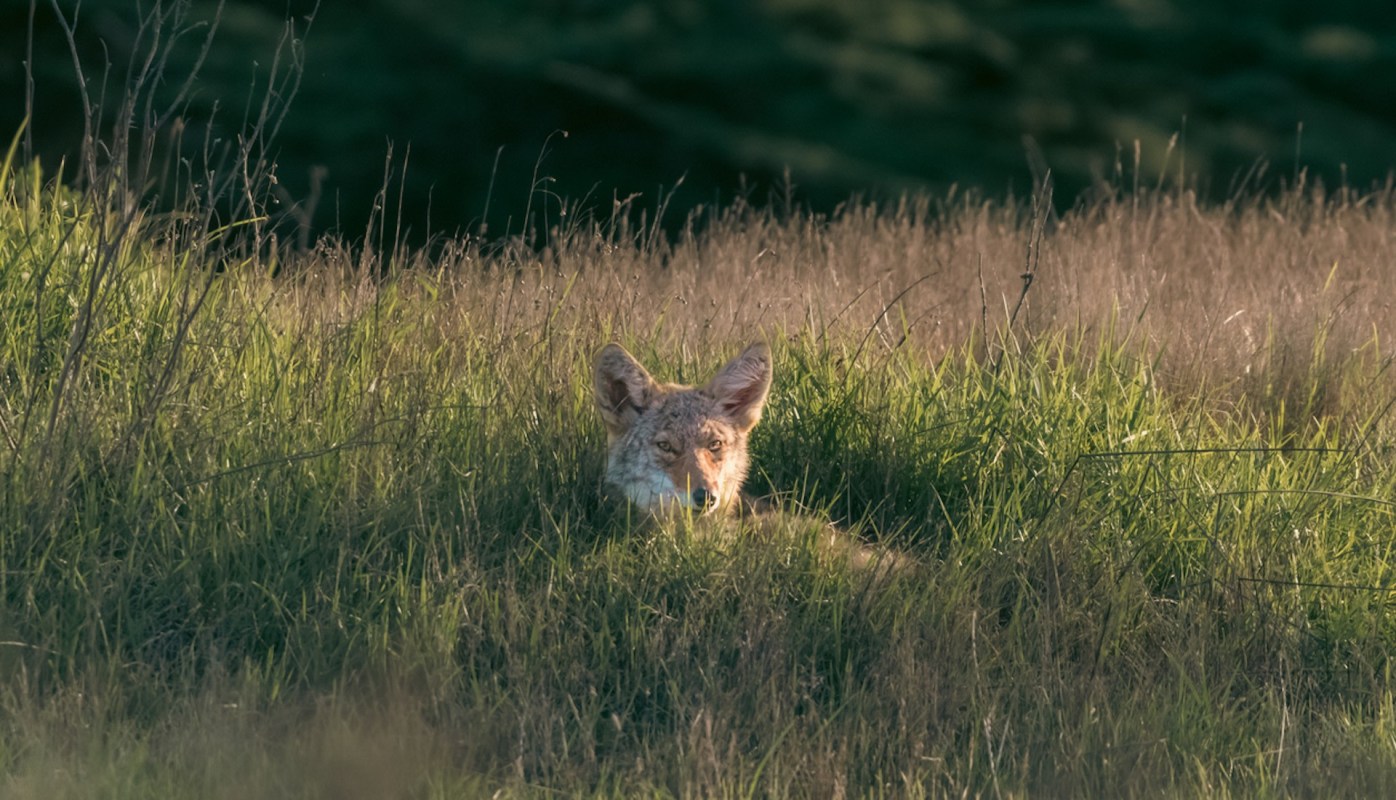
pixel 337 532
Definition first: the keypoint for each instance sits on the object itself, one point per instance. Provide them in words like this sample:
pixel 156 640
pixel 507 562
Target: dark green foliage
pixel 867 98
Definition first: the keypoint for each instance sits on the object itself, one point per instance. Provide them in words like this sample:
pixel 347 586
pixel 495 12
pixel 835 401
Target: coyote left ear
pixel 623 388
pixel 740 388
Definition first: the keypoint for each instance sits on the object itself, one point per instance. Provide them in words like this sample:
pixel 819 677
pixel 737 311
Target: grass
pixel 327 523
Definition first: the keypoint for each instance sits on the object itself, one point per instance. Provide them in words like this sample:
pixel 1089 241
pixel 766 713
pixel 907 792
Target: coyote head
pixel 673 446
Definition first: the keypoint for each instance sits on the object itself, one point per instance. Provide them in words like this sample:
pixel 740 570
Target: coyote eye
pixel 664 447
pixel 715 445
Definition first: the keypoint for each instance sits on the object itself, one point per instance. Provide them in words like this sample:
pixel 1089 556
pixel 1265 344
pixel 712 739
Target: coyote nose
pixel 703 498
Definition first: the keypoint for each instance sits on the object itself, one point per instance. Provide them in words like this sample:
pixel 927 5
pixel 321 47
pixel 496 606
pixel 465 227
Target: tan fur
pixel 671 446
pixel 674 446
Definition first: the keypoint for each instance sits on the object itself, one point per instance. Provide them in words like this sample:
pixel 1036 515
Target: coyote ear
pixel 623 388
pixel 740 387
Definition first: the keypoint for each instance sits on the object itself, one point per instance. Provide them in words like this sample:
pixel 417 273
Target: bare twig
pixel 878 321
pixel 29 84
pixel 983 305
pixel 1041 208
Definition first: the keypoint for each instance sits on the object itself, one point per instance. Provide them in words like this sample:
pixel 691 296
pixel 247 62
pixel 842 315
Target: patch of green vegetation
pixel 337 531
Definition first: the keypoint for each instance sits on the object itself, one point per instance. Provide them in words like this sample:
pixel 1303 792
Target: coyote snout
pixel 673 446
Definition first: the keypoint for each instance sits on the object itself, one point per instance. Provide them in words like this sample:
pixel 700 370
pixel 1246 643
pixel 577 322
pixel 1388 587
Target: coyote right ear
pixel 623 388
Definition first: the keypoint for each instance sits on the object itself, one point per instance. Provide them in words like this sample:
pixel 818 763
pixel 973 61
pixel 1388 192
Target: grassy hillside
pixel 281 524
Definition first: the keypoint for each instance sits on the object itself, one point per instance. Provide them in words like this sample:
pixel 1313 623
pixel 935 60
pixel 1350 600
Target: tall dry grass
pixel 1260 295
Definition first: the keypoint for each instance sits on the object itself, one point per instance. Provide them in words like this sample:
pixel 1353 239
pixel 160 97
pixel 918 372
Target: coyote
pixel 682 447
pixel 674 446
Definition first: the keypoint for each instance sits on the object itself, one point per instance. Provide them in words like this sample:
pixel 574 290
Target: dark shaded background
pixel 869 98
